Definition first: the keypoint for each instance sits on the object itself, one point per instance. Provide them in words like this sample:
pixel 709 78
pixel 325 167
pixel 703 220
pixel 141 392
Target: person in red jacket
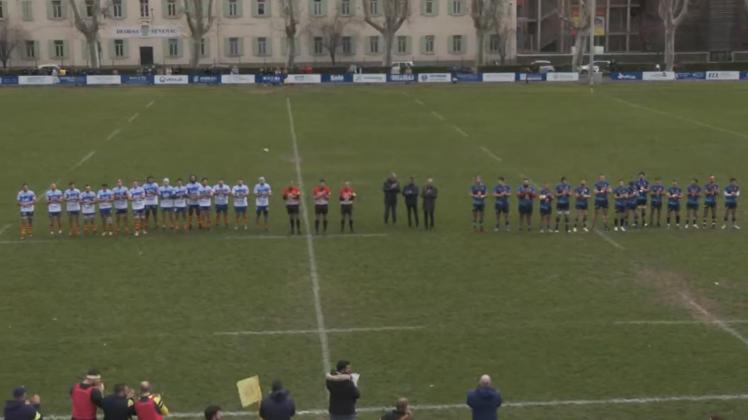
pixel 86 396
pixel 346 195
pixel 150 406
pixel 321 194
pixel 292 197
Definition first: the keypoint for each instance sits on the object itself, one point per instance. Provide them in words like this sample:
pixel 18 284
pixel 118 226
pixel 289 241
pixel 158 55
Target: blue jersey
pixel 711 191
pixel 601 191
pixel 582 194
pixel 546 197
pixel 732 191
pixel 179 193
pixel 642 187
pixel 563 192
pixel 193 193
pixel 26 200
pixel 54 201
pixel 151 192
pixel 674 195
pixel 621 195
pixel 526 195
pixel 105 198
pixel 657 190
pixel 504 191
pixel 166 192
pixel 478 191
pixel 694 190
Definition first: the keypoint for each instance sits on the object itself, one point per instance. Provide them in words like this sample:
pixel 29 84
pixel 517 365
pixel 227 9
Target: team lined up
pixel 632 202
pixel 173 206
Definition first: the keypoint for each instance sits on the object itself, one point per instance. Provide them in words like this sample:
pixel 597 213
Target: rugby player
pixel 88 209
pixel 25 200
pixel 674 195
pixel 620 195
pixel 321 194
pixel 582 196
pixel 105 198
pixel 137 198
pixel 693 193
pixel 478 193
pixel 54 208
pixel 240 192
pixel 180 195
pixel 546 208
pixel 221 194
pixel 121 198
pixel 193 194
pixel 72 197
pixel 501 193
pixel 563 197
pixel 346 195
pixel 292 197
pixel 732 192
pixel 711 193
pixel 262 193
pixel 657 192
pixel 166 201
pixel 601 190
pixel 151 203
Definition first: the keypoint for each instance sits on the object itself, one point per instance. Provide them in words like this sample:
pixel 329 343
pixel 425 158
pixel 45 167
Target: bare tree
pixel 488 16
pixel 580 25
pixel 394 13
pixel 200 18
pixel 290 11
pixel 11 38
pixel 332 35
pixel 672 13
pixel 89 25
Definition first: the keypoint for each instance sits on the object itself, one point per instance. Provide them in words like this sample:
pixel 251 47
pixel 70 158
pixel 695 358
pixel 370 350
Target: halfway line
pixel 83 160
pixel 113 134
pixel 608 239
pixel 723 325
pixel 462 132
pixel 678 322
pixel 134 116
pixel 490 153
pixel 313 276
pixel 329 331
pixel 438 116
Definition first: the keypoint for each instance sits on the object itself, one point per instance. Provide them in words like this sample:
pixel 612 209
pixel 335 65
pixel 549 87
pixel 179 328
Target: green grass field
pixel 545 315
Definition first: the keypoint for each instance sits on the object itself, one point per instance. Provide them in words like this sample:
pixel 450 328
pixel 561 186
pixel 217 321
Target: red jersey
pixel 292 194
pixel 83 405
pixel 347 195
pixel 321 195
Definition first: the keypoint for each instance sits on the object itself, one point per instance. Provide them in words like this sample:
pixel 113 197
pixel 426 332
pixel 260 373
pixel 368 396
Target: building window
pixel 117 9
pixel 373 45
pixel 171 8
pixel 374 7
pixel 262 46
pixel 203 47
pixel 233 8
pixel 428 44
pixel 27 12
pixel 173 47
pixel 145 8
pixel 346 45
pixel 119 48
pixel 30 49
pixel 345 7
pixel 317 8
pixel 234 48
pixel 456 7
pixel 458 44
pixel 2 10
pixel 89 8
pixel 429 7
pixel 402 44
pixel 58 48
pixel 261 8
pixel 56 6
pixel 318 46
pixel 494 44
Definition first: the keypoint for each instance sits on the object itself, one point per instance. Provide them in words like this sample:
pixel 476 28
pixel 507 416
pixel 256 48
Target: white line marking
pixel 29 242
pixel 438 116
pixel 83 160
pixel 313 276
pixel 113 134
pixel 316 237
pixel 329 331
pixel 150 104
pixel 490 153
pixel 4 228
pixel 462 132
pixel 678 322
pixel 419 102
pixel 463 407
pixel 721 324
pixel 608 239
pixel 681 118
pixel 134 117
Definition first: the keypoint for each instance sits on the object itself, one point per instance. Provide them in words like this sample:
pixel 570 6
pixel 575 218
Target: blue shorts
pixel 479 206
pixel 502 207
pixel 54 214
pixel 710 204
pixel 194 208
pixel 139 212
pixel 240 210
pixel 180 210
pixel 656 204
pixel 105 212
pixel 526 209
pixel 204 209
pixel 73 212
pixel 673 207
pixel 544 211
pixel 222 208
pixel 261 210
pixel 151 207
pixel 581 205
pixel 601 205
pixel 692 206
pixel 632 205
pixel 562 206
pixel 620 208
pixel 731 205
pixel 121 211
pixel 641 201
pixel 27 214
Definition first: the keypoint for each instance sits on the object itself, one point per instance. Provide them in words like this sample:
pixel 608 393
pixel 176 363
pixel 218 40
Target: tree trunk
pixel 579 43
pixel 94 58
pixel 389 37
pixel 669 47
pixel 480 39
pixel 291 52
pixel 195 42
pixel 332 56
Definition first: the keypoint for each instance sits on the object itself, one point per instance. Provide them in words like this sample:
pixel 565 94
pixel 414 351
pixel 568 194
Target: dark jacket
pixel 278 406
pixel 394 415
pixel 343 396
pixel 429 194
pixel 19 410
pixel 117 408
pixel 484 402
pixel 410 192
pixel 391 189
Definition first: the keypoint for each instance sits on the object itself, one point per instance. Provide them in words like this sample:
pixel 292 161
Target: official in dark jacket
pixel 19 408
pixel 410 192
pixel 278 405
pixel 391 189
pixel 120 405
pixel 401 411
pixel 429 194
pixel 343 392
pixel 484 400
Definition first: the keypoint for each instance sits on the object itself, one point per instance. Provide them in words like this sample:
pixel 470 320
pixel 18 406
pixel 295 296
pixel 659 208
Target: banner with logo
pixel 370 78
pixel 337 78
pixel 690 75
pixel 38 80
pixel 562 77
pixel 722 75
pixel 658 75
pixel 304 79
pixel 434 78
pixel 146 31
pixel 744 75
pixel 171 79
pixel 238 79
pixel 406 78
pixel 136 79
pixel 499 77
pixel 104 80
pixel 531 77
pixel 466 77
pixel 205 79
pixel 72 80
pixel 270 79
pixel 626 75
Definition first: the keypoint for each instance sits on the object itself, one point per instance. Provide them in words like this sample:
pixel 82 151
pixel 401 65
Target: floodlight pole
pixel 591 68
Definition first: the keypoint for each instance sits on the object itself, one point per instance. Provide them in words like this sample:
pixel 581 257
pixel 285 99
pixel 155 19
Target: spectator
pixel 20 408
pixel 429 194
pixel 150 406
pixel 278 405
pixel 120 404
pixel 343 392
pixel 484 400
pixel 391 189
pixel 213 412
pixel 401 411
pixel 87 396
pixel 410 192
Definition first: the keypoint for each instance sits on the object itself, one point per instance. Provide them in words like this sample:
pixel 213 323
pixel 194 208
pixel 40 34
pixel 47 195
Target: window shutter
pixel 27 11
pixel 124 11
pixel 65 10
pixel 51 49
pixel 165 48
pixel 450 44
pixel 464 44
pixel 255 46
pixel 268 13
pixel 226 12
pixel 241 47
pixel 165 9
pixel 354 41
pixel 179 48
pixel 50 16
pixel 125 48
pixel 408 45
pixel 205 52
